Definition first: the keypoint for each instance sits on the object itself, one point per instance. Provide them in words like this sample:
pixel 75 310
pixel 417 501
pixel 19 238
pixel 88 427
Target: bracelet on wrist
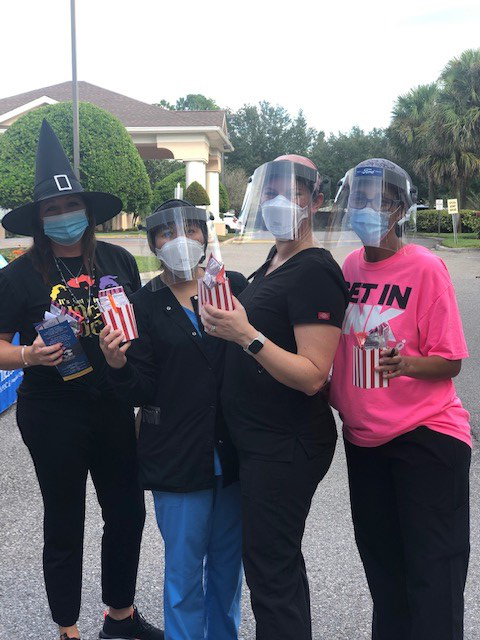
pixel 25 363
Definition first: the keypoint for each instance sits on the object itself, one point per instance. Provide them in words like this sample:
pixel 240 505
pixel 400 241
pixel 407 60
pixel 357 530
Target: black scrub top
pixel 174 371
pixel 265 417
pixel 25 297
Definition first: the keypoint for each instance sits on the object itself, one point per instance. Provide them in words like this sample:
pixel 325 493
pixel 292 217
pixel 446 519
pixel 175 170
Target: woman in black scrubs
pixel 77 426
pixel 283 335
pixel 174 372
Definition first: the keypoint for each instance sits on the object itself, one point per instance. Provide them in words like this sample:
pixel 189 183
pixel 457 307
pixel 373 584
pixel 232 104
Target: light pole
pixel 76 143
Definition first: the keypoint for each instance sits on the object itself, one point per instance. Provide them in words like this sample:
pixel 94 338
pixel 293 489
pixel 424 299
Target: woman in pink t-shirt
pixel 407 436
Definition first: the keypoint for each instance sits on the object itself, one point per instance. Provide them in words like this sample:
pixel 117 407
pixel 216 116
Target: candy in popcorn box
pixel 366 356
pixel 117 311
pixel 214 287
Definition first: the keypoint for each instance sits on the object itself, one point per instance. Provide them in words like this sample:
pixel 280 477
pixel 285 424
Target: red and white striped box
pixel 219 296
pixel 117 311
pixel 364 374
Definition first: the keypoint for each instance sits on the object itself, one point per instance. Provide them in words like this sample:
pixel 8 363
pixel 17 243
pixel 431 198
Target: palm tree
pixel 456 123
pixel 409 132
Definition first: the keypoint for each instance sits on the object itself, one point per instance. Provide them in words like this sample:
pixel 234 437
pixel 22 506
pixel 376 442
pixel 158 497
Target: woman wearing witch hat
pixel 74 427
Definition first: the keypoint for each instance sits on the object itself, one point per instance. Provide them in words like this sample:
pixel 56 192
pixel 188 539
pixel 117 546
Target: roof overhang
pixel 25 108
pixel 209 131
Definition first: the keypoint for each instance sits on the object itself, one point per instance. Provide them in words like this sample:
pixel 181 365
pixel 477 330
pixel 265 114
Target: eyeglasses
pixel 358 200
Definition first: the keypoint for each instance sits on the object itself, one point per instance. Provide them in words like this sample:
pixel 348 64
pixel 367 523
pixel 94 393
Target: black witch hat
pixel 54 177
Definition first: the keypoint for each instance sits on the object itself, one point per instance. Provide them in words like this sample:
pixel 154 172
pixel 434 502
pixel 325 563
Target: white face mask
pixel 282 217
pixel 181 255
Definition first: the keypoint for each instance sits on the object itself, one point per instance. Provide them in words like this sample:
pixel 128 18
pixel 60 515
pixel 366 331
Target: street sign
pixel 439 204
pixel 452 206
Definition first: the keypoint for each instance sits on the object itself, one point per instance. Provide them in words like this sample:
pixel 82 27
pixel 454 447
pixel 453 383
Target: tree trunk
pixel 431 192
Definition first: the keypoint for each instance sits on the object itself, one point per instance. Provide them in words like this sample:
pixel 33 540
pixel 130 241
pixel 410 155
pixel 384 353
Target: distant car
pixel 231 221
pixel 422 207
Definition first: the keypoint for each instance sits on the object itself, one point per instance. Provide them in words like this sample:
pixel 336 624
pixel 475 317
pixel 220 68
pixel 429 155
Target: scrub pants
pixel 276 499
pixel 203 562
pixel 410 508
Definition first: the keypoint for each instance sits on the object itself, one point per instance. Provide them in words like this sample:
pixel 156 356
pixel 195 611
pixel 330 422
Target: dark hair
pixel 172 204
pixel 152 233
pixel 41 254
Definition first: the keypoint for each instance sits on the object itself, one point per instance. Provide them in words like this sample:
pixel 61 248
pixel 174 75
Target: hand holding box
pixel 214 287
pixel 117 311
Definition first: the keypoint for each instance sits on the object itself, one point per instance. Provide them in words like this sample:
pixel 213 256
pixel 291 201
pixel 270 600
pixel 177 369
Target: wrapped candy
pixel 366 356
pixel 74 318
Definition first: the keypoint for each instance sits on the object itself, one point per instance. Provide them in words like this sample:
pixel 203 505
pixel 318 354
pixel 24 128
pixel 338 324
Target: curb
pixel 441 247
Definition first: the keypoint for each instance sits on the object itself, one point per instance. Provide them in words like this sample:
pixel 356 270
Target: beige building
pixel 197 138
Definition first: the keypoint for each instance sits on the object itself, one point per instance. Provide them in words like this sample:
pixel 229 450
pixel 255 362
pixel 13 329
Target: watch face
pixel 255 346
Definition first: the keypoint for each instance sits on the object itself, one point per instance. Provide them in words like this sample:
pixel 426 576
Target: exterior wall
pixel 122 222
pixel 195 173
pixel 213 181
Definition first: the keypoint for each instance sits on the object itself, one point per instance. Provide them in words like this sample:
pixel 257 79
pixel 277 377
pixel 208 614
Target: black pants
pixel 66 441
pixel 276 498
pixel 410 508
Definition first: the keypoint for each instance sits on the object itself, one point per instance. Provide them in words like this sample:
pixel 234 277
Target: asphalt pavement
pixel 341 607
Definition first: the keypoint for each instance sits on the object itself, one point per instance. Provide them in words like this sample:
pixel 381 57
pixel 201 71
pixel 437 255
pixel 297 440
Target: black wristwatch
pixel 255 345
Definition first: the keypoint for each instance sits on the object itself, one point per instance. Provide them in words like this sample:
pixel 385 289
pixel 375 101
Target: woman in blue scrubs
pixel 174 371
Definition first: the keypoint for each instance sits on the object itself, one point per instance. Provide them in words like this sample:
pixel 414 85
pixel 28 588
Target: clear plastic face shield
pixel 181 240
pixel 279 202
pixel 375 206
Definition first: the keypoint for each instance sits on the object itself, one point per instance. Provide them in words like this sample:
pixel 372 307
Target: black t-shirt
pixel 265 417
pixel 25 297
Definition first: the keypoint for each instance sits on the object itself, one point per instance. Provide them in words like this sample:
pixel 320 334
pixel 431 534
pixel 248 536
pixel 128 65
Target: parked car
pixel 231 221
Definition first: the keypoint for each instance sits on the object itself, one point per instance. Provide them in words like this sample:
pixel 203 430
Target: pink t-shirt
pixel 413 293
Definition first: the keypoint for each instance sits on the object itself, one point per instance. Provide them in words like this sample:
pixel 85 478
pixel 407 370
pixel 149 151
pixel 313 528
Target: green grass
pixel 120 234
pixel 146 263
pixel 463 239
pixel 11 253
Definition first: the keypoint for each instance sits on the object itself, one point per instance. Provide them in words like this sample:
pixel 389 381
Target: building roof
pixel 131 112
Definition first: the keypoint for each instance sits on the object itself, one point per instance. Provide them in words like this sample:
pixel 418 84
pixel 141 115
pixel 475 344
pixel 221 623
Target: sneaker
pixel 135 627
pixel 65 637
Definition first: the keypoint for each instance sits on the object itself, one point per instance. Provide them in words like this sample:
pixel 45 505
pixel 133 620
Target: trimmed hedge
pixel 196 194
pixel 109 160
pixel 427 221
pixel 224 199
pixel 165 189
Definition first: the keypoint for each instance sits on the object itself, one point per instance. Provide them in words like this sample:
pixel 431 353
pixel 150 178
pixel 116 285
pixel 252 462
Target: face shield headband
pixel 278 198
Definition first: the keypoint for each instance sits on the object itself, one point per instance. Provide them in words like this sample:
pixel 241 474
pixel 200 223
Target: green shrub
pixel 427 221
pixel 224 199
pixel 197 195
pixel 109 160
pixel 165 189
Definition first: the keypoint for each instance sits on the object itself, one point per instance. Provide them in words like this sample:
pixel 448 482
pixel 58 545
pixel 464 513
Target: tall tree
pixel 338 153
pixel 190 102
pixel 235 180
pixel 457 118
pixel 410 133
pixel 261 133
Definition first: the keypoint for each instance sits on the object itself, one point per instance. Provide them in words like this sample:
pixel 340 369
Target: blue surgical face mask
pixel 369 225
pixel 66 228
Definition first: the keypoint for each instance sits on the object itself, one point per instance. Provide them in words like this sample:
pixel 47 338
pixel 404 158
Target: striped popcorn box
pixel 117 311
pixel 364 374
pixel 219 296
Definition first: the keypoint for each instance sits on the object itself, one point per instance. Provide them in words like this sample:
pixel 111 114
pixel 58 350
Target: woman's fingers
pixel 216 314
pixel 125 347
pixel 113 336
pixel 116 341
pixel 47 351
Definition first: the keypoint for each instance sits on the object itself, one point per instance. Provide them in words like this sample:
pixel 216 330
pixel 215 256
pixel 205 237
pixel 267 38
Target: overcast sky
pixel 343 63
